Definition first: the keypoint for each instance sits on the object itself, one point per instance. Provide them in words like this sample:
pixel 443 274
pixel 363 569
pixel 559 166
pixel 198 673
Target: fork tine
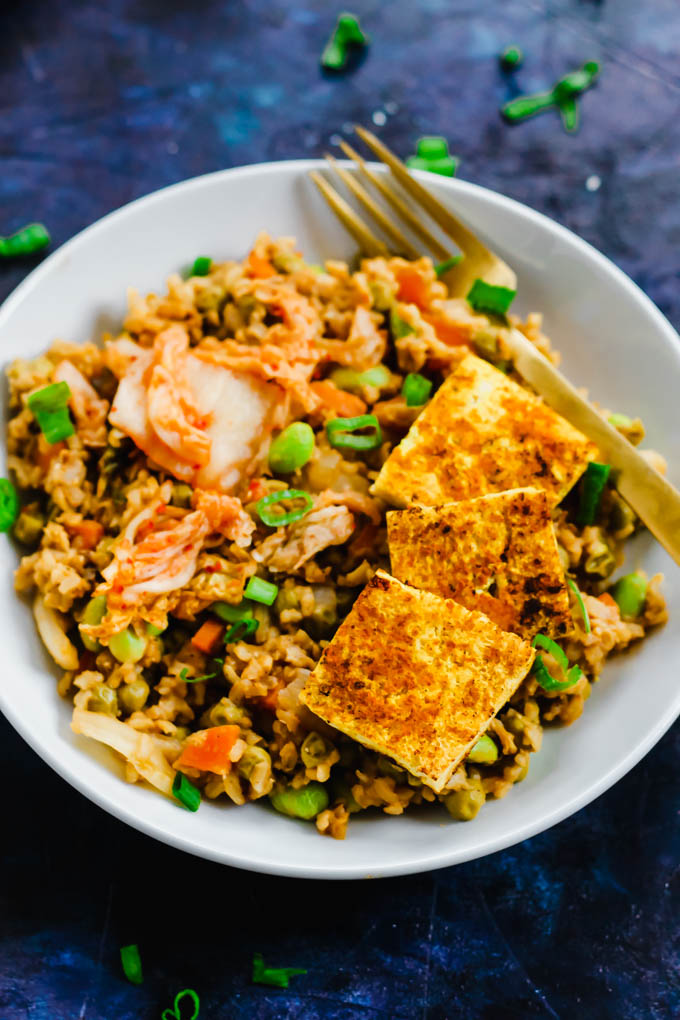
pixel 368 241
pixel 376 212
pixel 463 237
pixel 397 203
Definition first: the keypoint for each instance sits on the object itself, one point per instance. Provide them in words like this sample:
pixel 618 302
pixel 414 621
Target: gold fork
pixel 652 497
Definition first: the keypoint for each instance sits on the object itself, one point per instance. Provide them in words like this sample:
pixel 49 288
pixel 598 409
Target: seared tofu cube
pixel 483 433
pixel 497 554
pixel 416 677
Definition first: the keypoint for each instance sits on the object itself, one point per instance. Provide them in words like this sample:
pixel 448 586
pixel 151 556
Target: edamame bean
pixel 304 803
pixel 292 448
pixel 126 646
pixel 133 696
pixel 94 613
pixel 485 751
pixel 463 805
pixel 629 593
pixel 103 699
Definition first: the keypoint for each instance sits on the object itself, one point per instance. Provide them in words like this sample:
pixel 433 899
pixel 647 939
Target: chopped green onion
pixel 27 241
pixel 432 153
pixel 50 409
pixel 630 593
pixel 265 506
pixel 185 792
pixel 346 35
pixel 345 433
pixel 201 266
pixel 620 421
pixel 590 492
pixel 377 376
pixel 9 504
pixel 416 389
pixel 184 675
pixel 581 605
pixel 511 58
pixel 231 614
pixel 485 751
pixel 261 591
pixel 399 327
pixel 132 964
pixel 276 976
pixel 543 675
pixel 242 630
pixel 292 448
pixel 443 267
pixel 176 1012
pixel 485 297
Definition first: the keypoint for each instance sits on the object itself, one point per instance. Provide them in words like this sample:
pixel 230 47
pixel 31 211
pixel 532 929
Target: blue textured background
pixel 103 102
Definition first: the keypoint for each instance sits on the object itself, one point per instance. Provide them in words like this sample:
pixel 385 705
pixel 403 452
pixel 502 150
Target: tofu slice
pixel 496 554
pixel 483 433
pixel 415 677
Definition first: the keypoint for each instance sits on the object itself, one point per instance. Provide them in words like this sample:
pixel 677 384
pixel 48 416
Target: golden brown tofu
pixel 416 677
pixel 497 554
pixel 481 433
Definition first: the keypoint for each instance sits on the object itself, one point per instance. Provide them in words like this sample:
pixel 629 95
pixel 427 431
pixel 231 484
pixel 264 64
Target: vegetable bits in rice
pixel 204 513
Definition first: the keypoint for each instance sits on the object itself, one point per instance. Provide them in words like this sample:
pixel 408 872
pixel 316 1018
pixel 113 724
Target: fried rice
pixel 152 523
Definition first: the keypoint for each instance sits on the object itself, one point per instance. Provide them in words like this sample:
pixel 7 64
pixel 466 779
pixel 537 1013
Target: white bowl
pixel 614 342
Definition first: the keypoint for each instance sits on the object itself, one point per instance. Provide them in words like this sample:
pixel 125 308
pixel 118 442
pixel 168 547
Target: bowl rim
pixel 423 862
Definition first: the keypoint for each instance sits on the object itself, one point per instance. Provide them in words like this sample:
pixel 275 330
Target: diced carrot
pixel 259 267
pixel 208 750
pixel 449 334
pixel 88 533
pixel 270 699
pixel 608 600
pixel 208 636
pixel 413 288
pixel 347 405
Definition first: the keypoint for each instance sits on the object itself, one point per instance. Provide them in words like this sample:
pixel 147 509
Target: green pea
pixel 225 713
pixel 28 527
pixel 304 803
pixel 377 376
pixel 463 805
pixel 103 699
pixel 601 560
pixel 629 593
pixel 94 613
pixel 250 759
pixel 485 751
pixel 346 378
pixel 314 749
pixel 181 495
pixel 133 696
pixel 126 646
pixel 292 448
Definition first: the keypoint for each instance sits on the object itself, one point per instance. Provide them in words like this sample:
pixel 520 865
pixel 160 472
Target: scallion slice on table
pixel 241 631
pixel 185 792
pixel 202 266
pixel 178 1012
pixel 27 241
pixel 590 493
pixel 278 977
pixel 540 670
pixel 132 964
pixel 416 389
pixel 485 297
pixel 346 35
pixel 348 433
pixel 511 58
pixel 9 504
pixel 266 513
pixel 261 591
pixel 581 605
pixel 50 409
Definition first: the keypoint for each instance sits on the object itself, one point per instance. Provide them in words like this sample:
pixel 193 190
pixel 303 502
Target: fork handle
pixel 652 497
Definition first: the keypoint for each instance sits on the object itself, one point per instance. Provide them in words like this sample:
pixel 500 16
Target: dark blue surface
pixel 103 102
